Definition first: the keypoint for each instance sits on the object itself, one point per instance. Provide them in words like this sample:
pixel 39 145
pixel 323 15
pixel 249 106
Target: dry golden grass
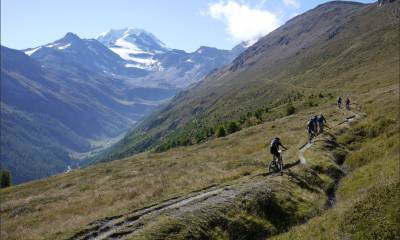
pixel 59 206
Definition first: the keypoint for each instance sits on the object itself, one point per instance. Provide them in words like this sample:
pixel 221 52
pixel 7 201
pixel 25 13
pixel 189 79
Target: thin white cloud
pixel 261 3
pixel 243 22
pixel 291 3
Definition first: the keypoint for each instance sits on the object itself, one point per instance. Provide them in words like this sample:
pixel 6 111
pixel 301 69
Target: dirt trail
pixel 301 152
pixel 119 227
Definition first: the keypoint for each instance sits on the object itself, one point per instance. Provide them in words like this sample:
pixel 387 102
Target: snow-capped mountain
pixel 82 53
pixel 165 66
pixel 136 46
pixel 134 54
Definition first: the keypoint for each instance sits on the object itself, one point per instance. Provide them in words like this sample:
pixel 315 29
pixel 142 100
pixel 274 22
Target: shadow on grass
pixel 286 166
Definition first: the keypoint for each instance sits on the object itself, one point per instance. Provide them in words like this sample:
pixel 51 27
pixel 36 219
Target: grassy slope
pixel 270 71
pixel 367 198
pixel 60 205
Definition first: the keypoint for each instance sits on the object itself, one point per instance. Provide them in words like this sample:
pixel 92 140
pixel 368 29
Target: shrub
pixel 232 127
pixel 5 179
pixel 221 131
pixel 258 114
pixel 290 109
pixel 242 119
pixel 210 132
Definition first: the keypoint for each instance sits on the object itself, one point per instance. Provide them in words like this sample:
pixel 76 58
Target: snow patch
pixel 30 52
pixel 129 65
pixel 51 45
pixel 64 47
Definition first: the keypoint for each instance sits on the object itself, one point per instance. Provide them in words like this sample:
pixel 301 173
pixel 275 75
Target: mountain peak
pixel 133 44
pixel 131 34
pixel 135 31
pixel 71 37
pixel 121 32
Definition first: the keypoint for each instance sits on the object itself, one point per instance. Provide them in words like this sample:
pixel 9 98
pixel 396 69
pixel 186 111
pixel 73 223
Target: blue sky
pixel 181 24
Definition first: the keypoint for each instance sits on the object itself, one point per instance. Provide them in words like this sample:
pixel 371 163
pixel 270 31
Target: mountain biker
pixel 348 103
pixel 274 148
pixel 315 120
pixel 339 102
pixel 321 122
pixel 311 129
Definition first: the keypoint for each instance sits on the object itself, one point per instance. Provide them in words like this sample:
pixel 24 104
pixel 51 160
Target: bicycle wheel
pixel 280 165
pixel 271 167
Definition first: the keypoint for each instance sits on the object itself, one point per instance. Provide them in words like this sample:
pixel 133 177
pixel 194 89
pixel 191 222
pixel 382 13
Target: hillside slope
pixel 221 189
pixel 331 47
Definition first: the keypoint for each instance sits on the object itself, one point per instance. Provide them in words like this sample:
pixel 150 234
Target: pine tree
pixel 5 178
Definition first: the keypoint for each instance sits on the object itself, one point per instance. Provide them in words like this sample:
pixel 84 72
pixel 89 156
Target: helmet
pixel 276 138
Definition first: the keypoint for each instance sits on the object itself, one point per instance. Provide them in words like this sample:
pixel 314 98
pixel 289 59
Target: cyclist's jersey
pixel 315 119
pixel 310 125
pixel 275 145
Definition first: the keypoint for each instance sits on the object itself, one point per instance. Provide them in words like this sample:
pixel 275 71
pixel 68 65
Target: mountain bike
pixel 276 165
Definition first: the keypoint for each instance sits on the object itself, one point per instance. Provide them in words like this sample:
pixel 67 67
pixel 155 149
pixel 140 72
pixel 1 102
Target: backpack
pixel 321 119
pixel 310 124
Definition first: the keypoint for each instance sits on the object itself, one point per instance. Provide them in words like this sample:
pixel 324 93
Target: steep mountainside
pixel 334 41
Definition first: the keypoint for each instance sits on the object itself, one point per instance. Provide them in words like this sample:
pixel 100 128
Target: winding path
pixel 120 226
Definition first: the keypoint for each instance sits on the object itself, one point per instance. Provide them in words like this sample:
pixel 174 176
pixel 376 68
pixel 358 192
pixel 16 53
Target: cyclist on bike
pixel 315 120
pixel 274 148
pixel 348 103
pixel 311 127
pixel 339 102
pixel 321 123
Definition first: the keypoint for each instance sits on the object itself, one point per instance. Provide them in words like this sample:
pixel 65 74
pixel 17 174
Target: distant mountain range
pixel 65 100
